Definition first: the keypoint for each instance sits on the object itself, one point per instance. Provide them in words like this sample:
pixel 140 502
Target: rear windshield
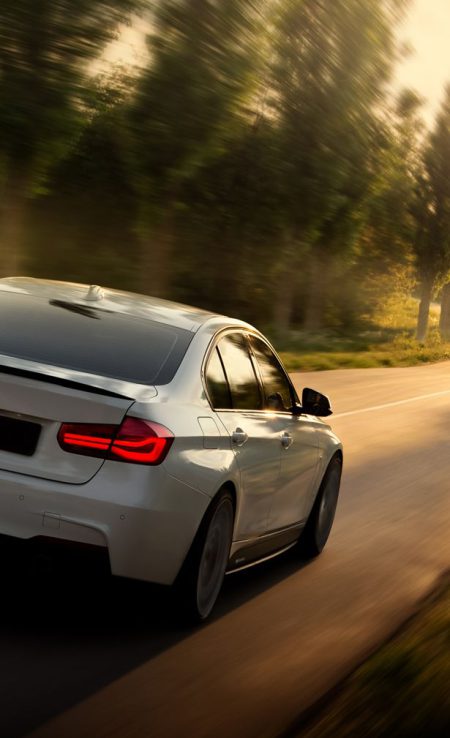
pixel 90 339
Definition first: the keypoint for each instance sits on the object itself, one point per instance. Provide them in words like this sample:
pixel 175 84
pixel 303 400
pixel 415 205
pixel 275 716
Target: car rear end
pixel 76 463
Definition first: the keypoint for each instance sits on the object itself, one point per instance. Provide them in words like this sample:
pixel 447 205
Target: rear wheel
pixel 202 575
pixel 318 528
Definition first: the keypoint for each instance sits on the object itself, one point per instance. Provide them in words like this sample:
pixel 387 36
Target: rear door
pixel 297 441
pixel 235 393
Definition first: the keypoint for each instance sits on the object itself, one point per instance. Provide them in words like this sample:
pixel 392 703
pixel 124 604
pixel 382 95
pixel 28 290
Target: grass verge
pixel 387 341
pixel 403 691
pixel 390 356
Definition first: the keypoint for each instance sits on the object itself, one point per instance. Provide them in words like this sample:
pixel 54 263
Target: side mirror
pixel 314 403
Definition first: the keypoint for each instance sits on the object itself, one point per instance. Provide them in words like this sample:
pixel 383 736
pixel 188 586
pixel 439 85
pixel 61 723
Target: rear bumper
pixel 144 517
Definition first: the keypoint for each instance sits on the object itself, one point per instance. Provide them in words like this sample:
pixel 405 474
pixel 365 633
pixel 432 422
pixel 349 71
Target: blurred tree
pixel 432 215
pixel 384 245
pixel 389 228
pixel 202 74
pixel 331 67
pixel 235 208
pixel 444 319
pixel 83 228
pixel 256 165
pixel 45 50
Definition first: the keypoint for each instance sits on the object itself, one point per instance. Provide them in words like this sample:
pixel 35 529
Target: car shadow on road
pixel 68 628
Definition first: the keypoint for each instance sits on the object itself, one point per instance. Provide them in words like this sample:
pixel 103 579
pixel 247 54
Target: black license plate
pixel 18 436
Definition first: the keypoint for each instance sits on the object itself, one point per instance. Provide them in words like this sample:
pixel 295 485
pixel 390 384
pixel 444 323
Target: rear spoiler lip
pixel 76 379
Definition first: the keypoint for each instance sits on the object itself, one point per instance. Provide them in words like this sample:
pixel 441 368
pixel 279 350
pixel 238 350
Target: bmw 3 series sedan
pixel 171 437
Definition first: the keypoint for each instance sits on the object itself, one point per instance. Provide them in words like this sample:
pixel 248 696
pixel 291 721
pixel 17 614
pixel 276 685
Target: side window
pixel 277 390
pixel 216 383
pixel 244 387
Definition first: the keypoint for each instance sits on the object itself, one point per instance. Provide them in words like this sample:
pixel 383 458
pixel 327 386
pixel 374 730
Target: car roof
pixel 129 303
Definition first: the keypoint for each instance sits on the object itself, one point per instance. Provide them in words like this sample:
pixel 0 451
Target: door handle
pixel 286 440
pixel 239 437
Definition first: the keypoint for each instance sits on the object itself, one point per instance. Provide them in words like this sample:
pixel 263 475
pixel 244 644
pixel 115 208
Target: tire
pixel 319 524
pixel 201 577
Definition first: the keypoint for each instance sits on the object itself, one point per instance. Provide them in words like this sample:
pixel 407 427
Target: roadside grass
pixel 387 340
pixel 403 691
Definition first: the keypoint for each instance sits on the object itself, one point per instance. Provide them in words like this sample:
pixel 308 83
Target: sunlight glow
pixel 427 69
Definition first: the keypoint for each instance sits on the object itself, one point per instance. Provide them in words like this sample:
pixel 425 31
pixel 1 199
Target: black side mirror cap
pixel 313 403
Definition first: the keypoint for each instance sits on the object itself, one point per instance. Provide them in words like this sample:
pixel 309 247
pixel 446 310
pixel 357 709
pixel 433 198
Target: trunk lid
pixel 32 408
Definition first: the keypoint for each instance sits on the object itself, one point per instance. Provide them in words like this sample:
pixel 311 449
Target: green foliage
pixel 256 165
pixel 203 60
pixel 84 226
pixel 189 106
pixel 332 63
pixel 431 211
pixel 432 206
pixel 331 68
pixel 45 50
pixel 385 339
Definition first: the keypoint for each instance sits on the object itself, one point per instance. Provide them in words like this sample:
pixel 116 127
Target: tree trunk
pixel 444 322
pixel 291 250
pixel 284 305
pixel 317 291
pixel 13 214
pixel 155 263
pixel 424 310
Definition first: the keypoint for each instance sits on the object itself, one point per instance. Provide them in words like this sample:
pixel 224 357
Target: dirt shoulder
pixel 402 691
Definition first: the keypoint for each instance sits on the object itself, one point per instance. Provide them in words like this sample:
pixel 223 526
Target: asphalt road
pixel 109 657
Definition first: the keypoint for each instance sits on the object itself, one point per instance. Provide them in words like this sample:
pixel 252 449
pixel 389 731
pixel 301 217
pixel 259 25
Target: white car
pixel 170 436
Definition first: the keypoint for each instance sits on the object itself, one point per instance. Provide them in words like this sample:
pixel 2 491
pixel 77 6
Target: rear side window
pixel 89 339
pixel 216 383
pixel 244 387
pixel 275 382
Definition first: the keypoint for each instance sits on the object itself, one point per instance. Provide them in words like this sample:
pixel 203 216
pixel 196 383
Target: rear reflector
pixel 135 441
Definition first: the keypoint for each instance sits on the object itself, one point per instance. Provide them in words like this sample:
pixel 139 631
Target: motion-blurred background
pixel 259 158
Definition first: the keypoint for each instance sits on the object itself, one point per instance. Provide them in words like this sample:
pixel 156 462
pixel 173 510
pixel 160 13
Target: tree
pixel 383 249
pixel 332 64
pixel 82 227
pixel 233 219
pixel 45 50
pixel 432 215
pixel 199 84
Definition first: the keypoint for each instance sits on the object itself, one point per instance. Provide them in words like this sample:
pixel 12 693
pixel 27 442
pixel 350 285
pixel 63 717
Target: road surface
pixel 101 658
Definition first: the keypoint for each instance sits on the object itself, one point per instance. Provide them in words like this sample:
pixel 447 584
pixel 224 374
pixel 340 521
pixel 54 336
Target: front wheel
pixel 202 575
pixel 319 524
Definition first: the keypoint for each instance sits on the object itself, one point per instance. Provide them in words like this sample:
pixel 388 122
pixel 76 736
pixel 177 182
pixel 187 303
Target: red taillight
pixel 136 441
pixel 141 441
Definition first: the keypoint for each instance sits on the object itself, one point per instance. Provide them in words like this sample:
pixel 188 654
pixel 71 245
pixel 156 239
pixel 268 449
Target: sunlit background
pixel 427 67
pixel 286 162
pixel 273 160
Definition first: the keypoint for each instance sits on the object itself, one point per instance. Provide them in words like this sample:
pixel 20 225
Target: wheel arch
pixel 231 488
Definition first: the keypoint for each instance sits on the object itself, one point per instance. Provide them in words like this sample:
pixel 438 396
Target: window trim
pixel 213 345
pixel 245 332
pixel 215 349
pixel 255 374
pixel 293 393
